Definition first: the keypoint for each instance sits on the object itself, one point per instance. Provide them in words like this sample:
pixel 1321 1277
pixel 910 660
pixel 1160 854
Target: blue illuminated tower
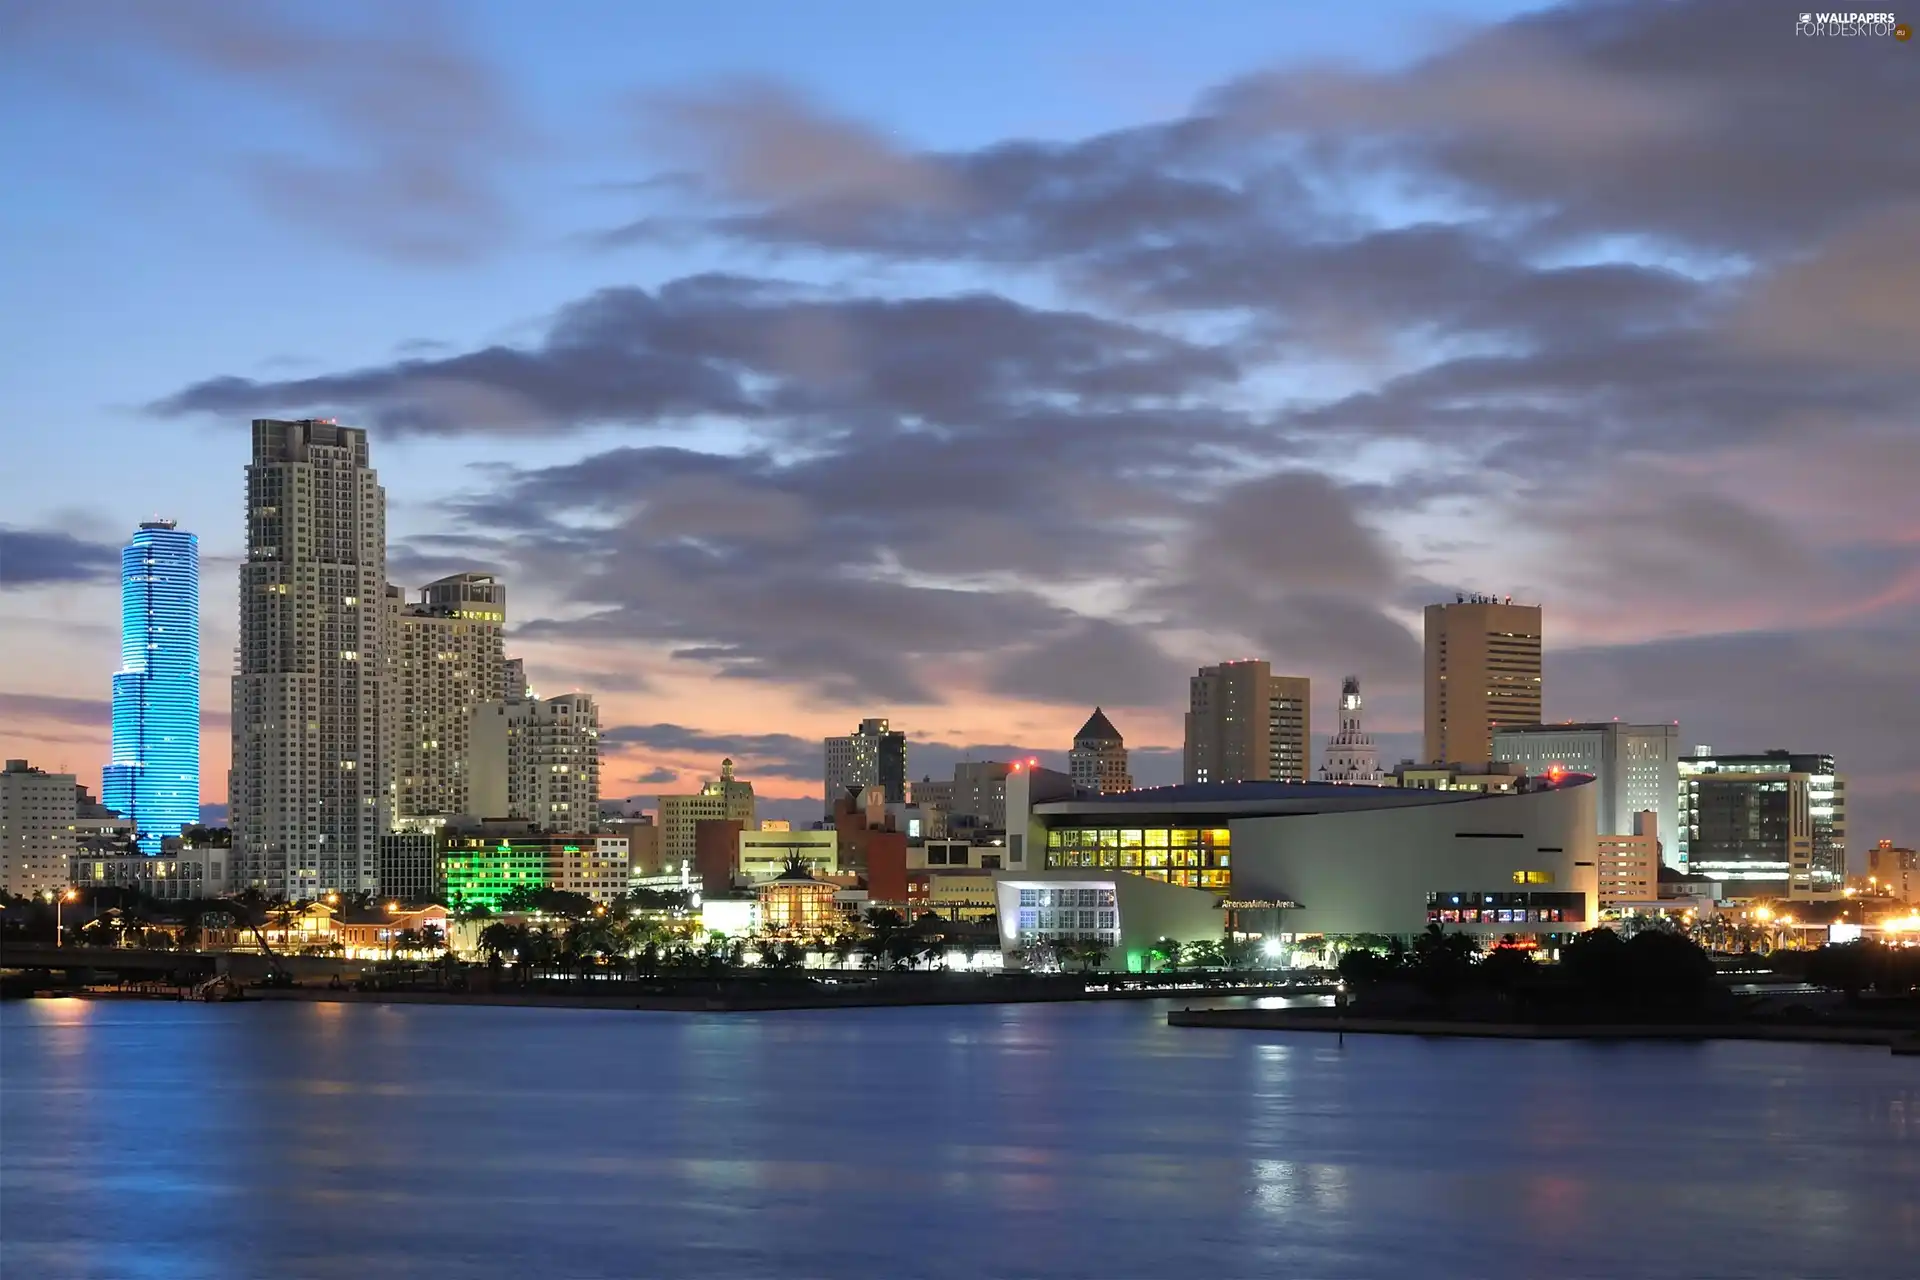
pixel 154 778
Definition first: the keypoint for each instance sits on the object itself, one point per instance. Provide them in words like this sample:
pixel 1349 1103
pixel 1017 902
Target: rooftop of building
pixel 1098 728
pixel 1581 726
pixel 1252 799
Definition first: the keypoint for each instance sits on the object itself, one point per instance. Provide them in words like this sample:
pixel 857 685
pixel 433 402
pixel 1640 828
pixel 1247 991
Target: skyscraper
pixel 443 659
pixel 871 756
pixel 307 775
pixel 1350 752
pixel 153 779
pixel 1098 760
pixel 1483 673
pixel 1245 724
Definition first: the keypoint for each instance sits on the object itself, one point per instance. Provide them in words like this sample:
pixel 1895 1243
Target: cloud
pixel 775 755
pixel 80 712
pixel 753 350
pixel 1088 662
pixel 1605 304
pixel 759 140
pixel 37 557
pixel 1849 691
pixel 411 126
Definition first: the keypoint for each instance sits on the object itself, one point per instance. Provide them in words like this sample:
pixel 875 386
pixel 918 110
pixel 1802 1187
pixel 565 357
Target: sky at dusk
pixel 971 364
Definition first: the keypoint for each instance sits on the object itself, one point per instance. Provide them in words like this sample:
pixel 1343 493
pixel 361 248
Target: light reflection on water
pixel 176 1140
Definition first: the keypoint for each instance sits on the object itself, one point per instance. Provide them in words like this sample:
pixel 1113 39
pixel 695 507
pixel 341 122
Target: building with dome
pixel 1350 753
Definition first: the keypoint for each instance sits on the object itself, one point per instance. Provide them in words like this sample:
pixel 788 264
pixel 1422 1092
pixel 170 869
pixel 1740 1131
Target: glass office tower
pixel 154 778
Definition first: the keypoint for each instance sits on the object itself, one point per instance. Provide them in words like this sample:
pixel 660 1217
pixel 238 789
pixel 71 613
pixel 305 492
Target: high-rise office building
pixel 153 779
pixel 1245 724
pixel 979 795
pixel 1098 760
pixel 538 759
pixel 1351 756
pixel 36 829
pixel 1636 768
pixel 1895 871
pixel 871 756
pixel 1772 824
pixel 307 776
pixel 1483 673
pixel 443 659
pixel 722 799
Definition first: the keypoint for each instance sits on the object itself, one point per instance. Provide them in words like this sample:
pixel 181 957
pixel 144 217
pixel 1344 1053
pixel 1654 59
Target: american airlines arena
pixel 1291 860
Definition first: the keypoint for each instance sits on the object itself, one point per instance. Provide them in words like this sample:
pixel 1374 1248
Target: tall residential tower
pixel 307 771
pixel 873 755
pixel 153 779
pixel 442 660
pixel 1483 674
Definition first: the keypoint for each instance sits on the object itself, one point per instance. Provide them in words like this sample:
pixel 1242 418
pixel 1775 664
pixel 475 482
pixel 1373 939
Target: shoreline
pixel 1902 1041
pixel 696 1003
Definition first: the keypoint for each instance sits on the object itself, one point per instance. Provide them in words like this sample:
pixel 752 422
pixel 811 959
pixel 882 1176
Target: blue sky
pixel 1435 297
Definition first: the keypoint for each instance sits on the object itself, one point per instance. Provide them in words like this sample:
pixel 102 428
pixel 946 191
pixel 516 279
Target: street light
pixel 64 896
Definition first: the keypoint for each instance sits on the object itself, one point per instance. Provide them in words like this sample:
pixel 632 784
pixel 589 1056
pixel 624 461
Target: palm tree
pixel 1093 955
pixel 844 944
pixel 1169 952
pixel 933 949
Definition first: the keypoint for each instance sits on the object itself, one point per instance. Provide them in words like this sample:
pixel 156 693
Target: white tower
pixel 1350 753
pixel 307 760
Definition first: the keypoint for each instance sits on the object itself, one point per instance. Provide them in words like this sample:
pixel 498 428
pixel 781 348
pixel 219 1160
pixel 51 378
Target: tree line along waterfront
pixel 545 940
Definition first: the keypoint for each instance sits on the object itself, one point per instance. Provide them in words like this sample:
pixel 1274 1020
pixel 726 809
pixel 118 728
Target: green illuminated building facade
pixel 482 872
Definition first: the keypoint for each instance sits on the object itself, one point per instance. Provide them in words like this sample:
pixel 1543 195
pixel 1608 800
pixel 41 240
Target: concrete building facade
pixel 37 815
pixel 442 658
pixel 172 876
pixel 1331 860
pixel 725 797
pixel 763 855
pixel 1482 674
pixel 1629 864
pixel 1245 724
pixel 874 755
pixel 306 785
pixel 1635 766
pixel 537 759
pixel 1098 759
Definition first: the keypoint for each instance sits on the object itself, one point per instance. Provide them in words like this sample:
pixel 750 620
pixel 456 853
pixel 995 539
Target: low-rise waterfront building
pixel 481 869
pixel 797 904
pixel 764 854
pixel 171 876
pixel 1629 865
pixel 1291 860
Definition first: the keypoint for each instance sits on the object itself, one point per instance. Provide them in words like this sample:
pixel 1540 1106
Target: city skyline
pixel 685 412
